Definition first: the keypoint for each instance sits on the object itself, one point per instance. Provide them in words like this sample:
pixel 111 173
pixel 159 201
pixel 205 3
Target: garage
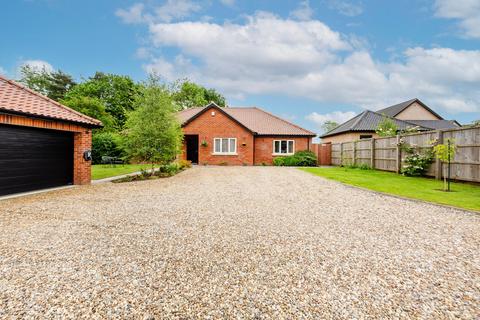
pixel 43 144
pixel 32 158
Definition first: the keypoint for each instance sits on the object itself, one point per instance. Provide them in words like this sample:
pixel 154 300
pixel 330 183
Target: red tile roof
pixel 256 120
pixel 18 99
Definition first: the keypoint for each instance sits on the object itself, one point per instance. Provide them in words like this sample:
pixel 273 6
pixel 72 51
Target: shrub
pixel 184 164
pixel 416 161
pixel 299 159
pixel 278 161
pixel 108 144
pixel 168 170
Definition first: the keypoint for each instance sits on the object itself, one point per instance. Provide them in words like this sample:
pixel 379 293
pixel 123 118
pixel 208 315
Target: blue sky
pixel 308 61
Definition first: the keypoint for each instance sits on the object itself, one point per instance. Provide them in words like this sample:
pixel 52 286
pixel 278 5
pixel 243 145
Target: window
pixel 365 136
pixel 283 147
pixel 225 146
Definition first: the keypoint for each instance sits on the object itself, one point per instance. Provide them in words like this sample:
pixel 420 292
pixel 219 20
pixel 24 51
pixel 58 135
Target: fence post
pixel 438 163
pixel 372 153
pixel 341 154
pixel 354 152
pixel 398 157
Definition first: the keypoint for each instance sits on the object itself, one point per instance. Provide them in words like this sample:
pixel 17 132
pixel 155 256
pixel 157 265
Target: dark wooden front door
pixel 192 147
pixel 33 159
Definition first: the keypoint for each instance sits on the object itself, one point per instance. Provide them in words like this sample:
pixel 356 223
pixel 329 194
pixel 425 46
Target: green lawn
pixel 101 171
pixel 463 195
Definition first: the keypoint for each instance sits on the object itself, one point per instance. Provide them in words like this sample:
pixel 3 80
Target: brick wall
pixel 82 141
pixel 82 173
pixel 220 125
pixel 264 147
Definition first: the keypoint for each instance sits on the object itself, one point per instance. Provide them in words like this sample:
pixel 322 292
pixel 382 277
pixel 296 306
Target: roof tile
pixel 16 98
pixel 253 118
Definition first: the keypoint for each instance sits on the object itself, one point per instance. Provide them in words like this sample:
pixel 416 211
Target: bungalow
pixel 408 114
pixel 239 136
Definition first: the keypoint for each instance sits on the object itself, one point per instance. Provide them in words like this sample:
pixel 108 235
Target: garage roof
pixel 254 119
pixel 16 98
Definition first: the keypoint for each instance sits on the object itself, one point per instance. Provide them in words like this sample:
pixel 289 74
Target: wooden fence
pixel 385 154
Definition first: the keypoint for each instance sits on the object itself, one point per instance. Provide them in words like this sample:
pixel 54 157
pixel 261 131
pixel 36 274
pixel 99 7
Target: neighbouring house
pixel 409 114
pixel 42 142
pixel 239 136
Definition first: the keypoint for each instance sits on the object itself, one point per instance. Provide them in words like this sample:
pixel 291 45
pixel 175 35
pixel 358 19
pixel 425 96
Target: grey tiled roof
pixel 394 110
pixel 368 121
pixel 436 124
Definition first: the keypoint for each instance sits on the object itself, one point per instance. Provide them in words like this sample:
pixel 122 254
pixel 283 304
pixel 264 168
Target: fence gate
pixel 325 154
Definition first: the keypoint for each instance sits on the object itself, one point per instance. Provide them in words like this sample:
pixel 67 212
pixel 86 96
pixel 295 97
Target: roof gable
pixel 368 121
pixel 255 120
pixel 15 98
pixel 396 109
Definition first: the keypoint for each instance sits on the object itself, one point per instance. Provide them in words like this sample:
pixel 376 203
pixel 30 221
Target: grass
pixel 101 171
pixel 463 195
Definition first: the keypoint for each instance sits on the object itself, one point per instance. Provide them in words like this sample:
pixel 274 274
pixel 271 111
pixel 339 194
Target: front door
pixel 191 141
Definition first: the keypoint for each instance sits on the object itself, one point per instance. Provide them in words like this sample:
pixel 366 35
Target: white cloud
pixel 466 11
pixel 3 71
pixel 171 10
pixel 336 116
pixel 304 12
pixel 270 55
pixel 229 3
pixel 132 15
pixel 346 8
pixel 37 65
pixel 176 9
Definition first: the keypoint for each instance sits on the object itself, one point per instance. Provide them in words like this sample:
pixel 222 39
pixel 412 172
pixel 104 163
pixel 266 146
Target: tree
pixel 91 107
pixel 329 125
pixel 116 92
pixel 152 131
pixel 386 127
pixel 54 84
pixel 187 94
pixel 445 153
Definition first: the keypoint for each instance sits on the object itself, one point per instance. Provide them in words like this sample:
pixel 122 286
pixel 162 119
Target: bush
pixel 184 164
pixel 299 159
pixel 278 161
pixel 168 170
pixel 417 161
pixel 108 144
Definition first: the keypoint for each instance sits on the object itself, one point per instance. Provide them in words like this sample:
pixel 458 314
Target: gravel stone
pixel 235 242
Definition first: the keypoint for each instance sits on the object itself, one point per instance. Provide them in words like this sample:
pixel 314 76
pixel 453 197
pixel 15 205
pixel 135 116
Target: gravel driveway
pixel 235 242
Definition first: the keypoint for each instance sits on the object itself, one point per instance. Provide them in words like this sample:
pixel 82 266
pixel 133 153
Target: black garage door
pixel 33 159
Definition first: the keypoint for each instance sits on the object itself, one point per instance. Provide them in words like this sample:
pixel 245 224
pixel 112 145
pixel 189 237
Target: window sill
pixel 283 154
pixel 224 154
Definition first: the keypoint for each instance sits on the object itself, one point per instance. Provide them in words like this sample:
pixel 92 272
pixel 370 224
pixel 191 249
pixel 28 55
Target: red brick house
pixel 42 143
pixel 239 136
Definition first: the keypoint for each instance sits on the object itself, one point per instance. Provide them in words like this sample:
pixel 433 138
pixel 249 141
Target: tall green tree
pixel 329 125
pixel 187 94
pixel 116 92
pixel 53 84
pixel 152 131
pixel 91 107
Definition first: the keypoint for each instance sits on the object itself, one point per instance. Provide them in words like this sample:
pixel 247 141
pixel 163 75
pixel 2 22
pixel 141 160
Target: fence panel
pixel 387 156
pixel 336 154
pixel 466 163
pixel 363 152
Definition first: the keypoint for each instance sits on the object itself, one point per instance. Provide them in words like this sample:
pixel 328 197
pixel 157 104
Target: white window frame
pixel 228 152
pixel 280 153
